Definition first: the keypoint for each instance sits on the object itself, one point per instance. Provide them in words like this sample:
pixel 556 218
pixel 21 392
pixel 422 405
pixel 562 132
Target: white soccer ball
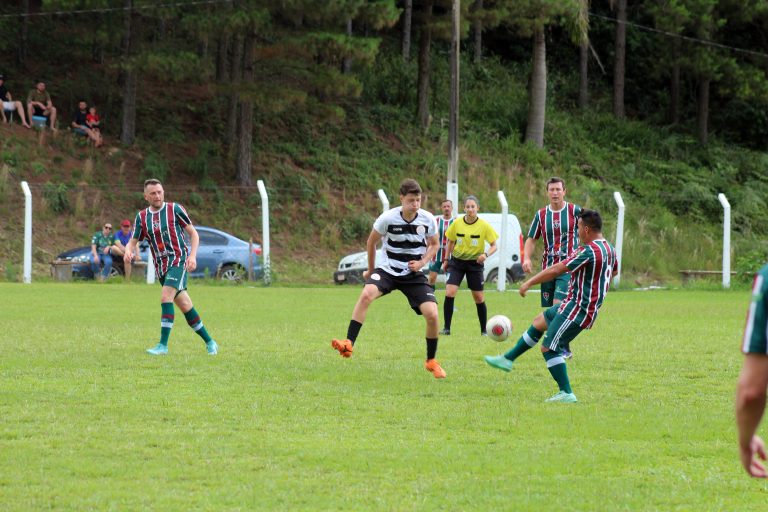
pixel 499 328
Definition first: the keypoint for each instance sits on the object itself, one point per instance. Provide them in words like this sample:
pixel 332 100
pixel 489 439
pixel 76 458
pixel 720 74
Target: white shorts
pixel 9 105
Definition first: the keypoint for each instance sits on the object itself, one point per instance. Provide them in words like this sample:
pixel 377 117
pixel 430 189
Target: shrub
pixel 56 196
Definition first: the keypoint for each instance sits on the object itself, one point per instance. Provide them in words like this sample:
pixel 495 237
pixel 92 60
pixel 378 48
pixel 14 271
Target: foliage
pixel 155 166
pixel 56 197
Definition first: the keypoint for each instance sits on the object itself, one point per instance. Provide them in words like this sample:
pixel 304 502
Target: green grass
pixel 278 421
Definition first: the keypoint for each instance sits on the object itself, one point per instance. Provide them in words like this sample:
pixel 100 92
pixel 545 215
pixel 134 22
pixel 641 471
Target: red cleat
pixel 343 346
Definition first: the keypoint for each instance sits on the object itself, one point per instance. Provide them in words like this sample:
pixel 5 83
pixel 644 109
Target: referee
pixel 467 237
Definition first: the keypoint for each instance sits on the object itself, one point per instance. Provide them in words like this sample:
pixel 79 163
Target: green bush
pixel 56 196
pixel 155 167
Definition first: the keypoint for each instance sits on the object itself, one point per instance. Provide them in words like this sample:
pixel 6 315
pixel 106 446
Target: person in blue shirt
pixel 122 237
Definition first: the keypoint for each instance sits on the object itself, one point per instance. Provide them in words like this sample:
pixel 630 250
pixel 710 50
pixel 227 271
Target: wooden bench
pixel 689 275
pixel 61 270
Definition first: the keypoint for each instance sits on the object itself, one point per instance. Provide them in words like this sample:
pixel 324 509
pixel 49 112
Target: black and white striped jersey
pixel 403 241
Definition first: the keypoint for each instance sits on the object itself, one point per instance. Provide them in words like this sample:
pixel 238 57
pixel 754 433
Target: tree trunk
pixel 407 17
pixel 477 28
pixel 21 52
pixel 232 107
pixel 674 86
pixel 703 111
pixel 347 67
pixel 584 74
pixel 425 42
pixel 222 57
pixel 129 76
pixel 538 95
pixel 245 128
pixel 620 59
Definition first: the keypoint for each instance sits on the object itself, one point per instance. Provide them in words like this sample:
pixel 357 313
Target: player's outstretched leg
pixel 431 365
pixel 166 324
pixel 528 340
pixel 193 320
pixel 556 367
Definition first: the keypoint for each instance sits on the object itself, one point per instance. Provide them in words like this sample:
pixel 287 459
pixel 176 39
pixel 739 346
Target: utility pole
pixel 452 191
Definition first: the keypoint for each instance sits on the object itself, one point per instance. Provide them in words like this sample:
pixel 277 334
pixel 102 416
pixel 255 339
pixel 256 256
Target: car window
pixel 207 238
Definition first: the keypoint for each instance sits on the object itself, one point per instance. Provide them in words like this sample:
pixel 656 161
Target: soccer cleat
pixel 446 332
pixel 158 350
pixel 212 348
pixel 500 362
pixel 434 367
pixel 343 346
pixel 566 353
pixel 563 398
pixel 483 333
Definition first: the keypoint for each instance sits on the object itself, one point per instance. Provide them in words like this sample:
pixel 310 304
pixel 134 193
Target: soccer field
pixel 278 421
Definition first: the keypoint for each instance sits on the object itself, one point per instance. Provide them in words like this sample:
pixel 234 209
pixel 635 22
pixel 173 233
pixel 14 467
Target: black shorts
pixel 414 285
pixel 457 269
pixel 40 112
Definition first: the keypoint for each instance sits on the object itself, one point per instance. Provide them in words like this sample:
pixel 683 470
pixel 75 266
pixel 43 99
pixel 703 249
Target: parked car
pixel 219 255
pixel 351 266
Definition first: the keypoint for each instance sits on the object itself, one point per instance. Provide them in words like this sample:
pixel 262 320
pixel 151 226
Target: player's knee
pixel 544 349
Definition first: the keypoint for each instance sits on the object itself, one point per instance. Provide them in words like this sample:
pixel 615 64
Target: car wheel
pixel 232 273
pixel 493 277
pixel 113 272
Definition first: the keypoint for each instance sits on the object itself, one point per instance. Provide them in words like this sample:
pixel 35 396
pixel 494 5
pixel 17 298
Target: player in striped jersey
pixel 409 241
pixel 164 226
pixel 555 224
pixel 443 223
pixel 591 267
pixel 750 394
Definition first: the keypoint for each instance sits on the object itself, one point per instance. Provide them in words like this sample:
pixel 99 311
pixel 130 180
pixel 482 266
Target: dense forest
pixel 666 101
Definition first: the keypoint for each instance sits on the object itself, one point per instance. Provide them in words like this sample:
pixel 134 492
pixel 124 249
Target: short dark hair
pixel 152 181
pixel 446 200
pixel 555 179
pixel 409 186
pixel 591 219
pixel 471 198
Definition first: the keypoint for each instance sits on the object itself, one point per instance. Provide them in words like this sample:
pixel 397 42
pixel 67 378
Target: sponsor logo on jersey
pixel 396 229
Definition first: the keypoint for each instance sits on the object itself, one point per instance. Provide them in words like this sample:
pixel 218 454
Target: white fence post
pixel 27 232
pixel 265 230
pixel 384 200
pixel 501 283
pixel 150 268
pixel 619 236
pixel 452 193
pixel 726 239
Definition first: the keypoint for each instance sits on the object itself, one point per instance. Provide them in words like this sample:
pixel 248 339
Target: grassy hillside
pixel 322 167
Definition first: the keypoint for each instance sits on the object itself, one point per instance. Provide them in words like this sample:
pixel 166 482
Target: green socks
pixel 193 319
pixel 528 340
pixel 166 322
pixel 556 367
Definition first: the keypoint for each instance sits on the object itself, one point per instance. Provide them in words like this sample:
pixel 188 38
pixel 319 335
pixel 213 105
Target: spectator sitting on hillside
pixel 9 105
pixel 80 124
pixel 39 104
pixel 93 120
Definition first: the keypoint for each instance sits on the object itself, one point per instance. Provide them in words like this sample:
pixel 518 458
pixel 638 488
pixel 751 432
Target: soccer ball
pixel 499 328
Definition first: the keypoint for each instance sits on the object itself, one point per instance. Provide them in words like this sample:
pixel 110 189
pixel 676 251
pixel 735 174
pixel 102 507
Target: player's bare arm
pixel 750 405
pixel 373 240
pixel 448 251
pixel 194 242
pixel 432 245
pixel 129 250
pixel 547 274
pixel 530 246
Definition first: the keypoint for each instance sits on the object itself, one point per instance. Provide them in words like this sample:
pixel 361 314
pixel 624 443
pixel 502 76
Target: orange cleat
pixel 343 346
pixel 434 367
